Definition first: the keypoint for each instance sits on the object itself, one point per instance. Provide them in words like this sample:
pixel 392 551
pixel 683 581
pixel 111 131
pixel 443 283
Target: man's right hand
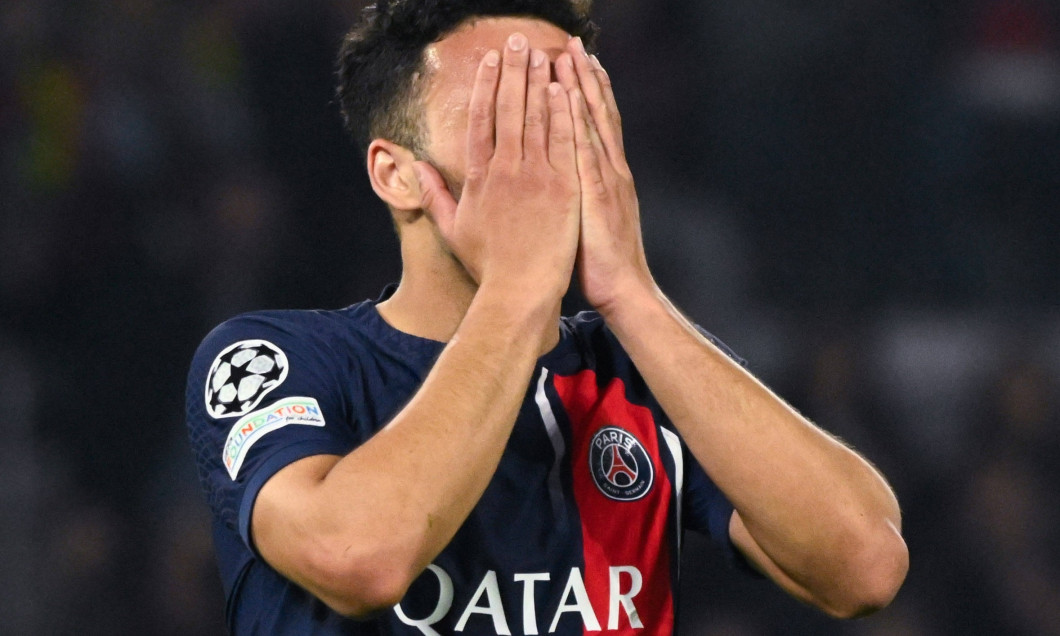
pixel 517 222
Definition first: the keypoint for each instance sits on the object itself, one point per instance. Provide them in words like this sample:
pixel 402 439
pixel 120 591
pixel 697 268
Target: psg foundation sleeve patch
pixel 253 426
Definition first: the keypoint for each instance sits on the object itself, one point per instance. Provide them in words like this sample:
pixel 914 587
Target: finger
pixel 589 82
pixel 587 149
pixel 511 97
pixel 609 98
pixel 481 114
pixel 535 125
pixel 435 198
pixel 584 116
pixel 568 78
pixel 561 153
pixel 565 73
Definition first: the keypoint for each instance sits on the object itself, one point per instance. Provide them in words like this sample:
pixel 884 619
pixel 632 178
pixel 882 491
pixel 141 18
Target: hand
pixel 611 260
pixel 517 219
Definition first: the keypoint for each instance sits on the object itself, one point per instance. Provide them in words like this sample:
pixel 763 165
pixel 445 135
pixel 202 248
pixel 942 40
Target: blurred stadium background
pixel 859 197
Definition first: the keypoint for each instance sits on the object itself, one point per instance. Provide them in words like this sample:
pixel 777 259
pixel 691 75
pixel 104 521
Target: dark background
pixel 858 197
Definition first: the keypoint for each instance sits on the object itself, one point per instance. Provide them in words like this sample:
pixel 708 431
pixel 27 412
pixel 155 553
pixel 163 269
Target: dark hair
pixel 381 59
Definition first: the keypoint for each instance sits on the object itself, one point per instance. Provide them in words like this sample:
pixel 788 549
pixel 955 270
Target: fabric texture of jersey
pixel 578 531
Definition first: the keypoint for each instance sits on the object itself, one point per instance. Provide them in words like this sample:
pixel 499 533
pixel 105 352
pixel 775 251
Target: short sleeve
pixel 706 509
pixel 263 391
pixel 721 345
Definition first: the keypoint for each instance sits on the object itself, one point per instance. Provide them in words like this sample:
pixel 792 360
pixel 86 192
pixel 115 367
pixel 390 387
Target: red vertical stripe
pixel 620 533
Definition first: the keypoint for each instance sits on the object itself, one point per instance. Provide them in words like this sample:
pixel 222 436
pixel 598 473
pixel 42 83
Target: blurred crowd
pixel 859 198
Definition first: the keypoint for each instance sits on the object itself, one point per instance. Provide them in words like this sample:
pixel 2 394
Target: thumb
pixel 435 198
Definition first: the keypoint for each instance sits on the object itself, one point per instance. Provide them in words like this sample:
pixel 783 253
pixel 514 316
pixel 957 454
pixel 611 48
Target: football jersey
pixel 578 531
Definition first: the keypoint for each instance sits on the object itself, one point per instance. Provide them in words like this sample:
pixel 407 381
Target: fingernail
pixel 537 58
pixel 517 42
pixel 493 58
pixel 579 45
pixel 596 62
pixel 554 89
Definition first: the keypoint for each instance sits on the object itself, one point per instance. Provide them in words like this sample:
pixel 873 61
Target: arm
pixel 810 513
pixel 356 530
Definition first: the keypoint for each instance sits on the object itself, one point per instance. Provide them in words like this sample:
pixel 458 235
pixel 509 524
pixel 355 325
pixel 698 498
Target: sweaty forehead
pixel 451 62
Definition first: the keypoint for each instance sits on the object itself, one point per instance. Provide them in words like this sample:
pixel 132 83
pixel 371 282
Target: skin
pixel 428 260
pixel 810 513
pixel 357 530
pixel 487 278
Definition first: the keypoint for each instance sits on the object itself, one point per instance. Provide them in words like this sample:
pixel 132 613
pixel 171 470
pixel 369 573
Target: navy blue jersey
pixel 579 529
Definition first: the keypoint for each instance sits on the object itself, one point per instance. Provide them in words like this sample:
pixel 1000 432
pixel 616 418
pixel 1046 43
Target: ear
pixel 390 171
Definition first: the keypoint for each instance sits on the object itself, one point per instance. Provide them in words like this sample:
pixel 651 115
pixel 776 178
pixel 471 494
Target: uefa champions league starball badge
pixel 242 375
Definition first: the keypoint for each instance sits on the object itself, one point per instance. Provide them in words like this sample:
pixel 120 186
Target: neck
pixel 432 298
pixel 435 290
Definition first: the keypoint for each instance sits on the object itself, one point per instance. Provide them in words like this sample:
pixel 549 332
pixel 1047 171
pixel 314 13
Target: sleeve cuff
pixel 271 466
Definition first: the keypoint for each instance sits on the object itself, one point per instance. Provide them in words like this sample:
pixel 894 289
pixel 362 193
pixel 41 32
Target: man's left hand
pixel 611 260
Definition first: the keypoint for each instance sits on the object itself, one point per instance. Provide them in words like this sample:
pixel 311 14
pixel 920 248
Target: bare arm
pixel 811 513
pixel 356 530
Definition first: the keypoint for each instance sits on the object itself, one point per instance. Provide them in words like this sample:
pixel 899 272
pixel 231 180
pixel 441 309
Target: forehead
pixel 470 41
pixel 452 61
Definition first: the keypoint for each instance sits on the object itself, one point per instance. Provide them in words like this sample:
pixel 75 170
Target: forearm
pixel 430 465
pixel 382 513
pixel 818 510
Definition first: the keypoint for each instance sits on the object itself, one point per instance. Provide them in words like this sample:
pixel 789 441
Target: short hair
pixel 381 60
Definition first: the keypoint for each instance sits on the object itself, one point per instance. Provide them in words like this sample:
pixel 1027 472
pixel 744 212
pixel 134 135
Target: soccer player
pixel 455 457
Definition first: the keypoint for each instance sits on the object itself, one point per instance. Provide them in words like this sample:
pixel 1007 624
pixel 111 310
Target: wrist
pixel 533 317
pixel 628 295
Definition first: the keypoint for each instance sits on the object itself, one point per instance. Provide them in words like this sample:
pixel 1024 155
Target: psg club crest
pixel 242 375
pixel 619 464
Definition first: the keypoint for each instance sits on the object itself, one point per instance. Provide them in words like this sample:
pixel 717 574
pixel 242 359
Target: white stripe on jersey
pixel 555 488
pixel 674 444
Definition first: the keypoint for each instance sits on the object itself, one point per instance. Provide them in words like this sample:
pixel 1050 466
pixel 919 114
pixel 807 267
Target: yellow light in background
pixel 54 105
